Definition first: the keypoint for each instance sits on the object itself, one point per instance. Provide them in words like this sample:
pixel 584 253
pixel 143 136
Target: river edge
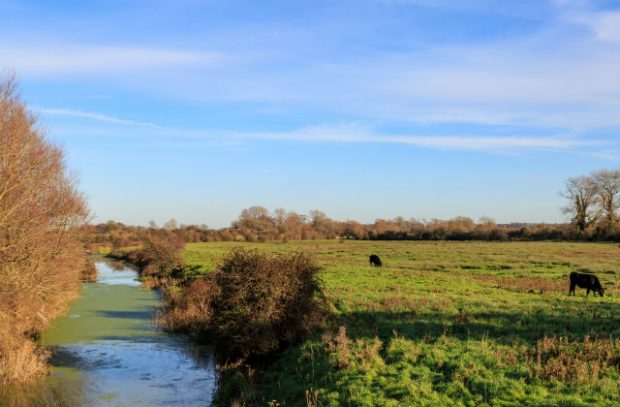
pixel 106 352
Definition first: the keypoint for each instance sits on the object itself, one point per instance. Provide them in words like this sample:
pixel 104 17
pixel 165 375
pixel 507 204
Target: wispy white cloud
pixel 558 76
pixel 548 79
pixel 93 59
pixel 356 134
pixel 572 3
pixel 93 116
pixel 342 134
pixel 522 8
pixel 605 25
pixel 610 155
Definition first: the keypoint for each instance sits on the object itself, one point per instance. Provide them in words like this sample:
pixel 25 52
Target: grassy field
pixel 450 323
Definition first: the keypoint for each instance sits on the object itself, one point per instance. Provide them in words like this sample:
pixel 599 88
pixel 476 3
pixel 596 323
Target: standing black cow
pixel 587 281
pixel 374 260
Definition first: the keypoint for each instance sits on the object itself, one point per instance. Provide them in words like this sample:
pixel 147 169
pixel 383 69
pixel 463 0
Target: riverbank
pixel 106 352
pixel 251 308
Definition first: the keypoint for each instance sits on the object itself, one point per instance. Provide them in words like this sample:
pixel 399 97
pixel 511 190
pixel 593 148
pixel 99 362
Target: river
pixel 107 353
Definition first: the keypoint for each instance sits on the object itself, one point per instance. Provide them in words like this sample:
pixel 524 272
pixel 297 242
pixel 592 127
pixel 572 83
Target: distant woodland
pixel 593 203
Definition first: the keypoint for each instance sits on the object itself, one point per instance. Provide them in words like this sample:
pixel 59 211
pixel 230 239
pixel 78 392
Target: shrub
pixel 188 308
pixel 253 305
pixel 159 258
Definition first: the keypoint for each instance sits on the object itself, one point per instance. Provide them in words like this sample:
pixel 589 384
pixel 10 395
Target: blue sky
pixel 364 109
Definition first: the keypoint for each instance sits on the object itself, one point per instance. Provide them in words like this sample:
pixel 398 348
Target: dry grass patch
pixel 526 284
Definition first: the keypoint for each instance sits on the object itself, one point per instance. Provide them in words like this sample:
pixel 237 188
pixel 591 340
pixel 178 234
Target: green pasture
pixel 450 323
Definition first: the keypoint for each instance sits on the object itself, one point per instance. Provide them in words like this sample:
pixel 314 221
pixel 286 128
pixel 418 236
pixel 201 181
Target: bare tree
pixel 254 213
pixel 581 193
pixel 41 259
pixel 171 224
pixel 256 224
pixel 293 226
pixel 607 184
pixel 279 217
pixel 323 226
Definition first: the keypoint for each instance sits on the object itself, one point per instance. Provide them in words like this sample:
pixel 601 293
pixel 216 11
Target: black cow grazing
pixel 374 260
pixel 587 281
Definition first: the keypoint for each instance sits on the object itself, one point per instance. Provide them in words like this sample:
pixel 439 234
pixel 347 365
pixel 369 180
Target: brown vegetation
pixel 159 257
pixel 41 260
pixel 562 360
pixel 345 353
pixel 159 260
pixel 256 224
pixel 527 284
pixel 89 273
pixel 253 305
pixel 593 204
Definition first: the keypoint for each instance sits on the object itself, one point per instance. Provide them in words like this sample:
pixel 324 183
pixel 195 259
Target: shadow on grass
pixel 600 319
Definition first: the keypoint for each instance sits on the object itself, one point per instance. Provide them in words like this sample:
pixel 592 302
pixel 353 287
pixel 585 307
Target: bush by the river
pixel 89 273
pixel 159 259
pixel 253 305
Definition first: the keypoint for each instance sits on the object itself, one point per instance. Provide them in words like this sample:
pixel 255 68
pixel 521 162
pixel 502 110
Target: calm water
pixel 107 353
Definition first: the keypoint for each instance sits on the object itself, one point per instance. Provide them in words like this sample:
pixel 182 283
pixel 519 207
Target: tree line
pixel 258 224
pixel 593 205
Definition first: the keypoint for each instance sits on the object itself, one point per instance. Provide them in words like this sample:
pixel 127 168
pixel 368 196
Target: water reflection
pixel 142 373
pixel 106 353
pixel 115 273
pixel 52 392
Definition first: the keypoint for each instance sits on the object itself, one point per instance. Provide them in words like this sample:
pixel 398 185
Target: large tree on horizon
pixel 607 184
pixel 581 193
